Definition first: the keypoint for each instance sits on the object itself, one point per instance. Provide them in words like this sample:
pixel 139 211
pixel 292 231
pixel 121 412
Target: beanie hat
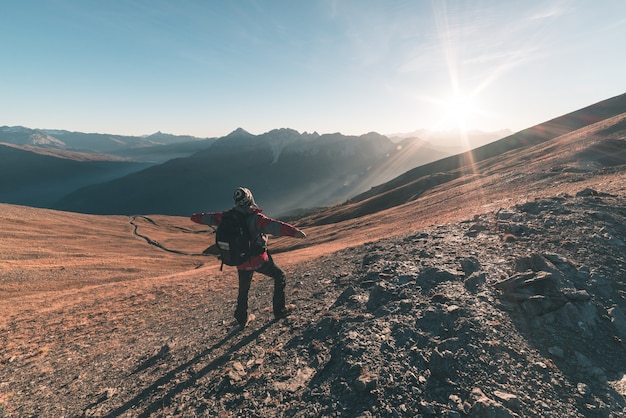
pixel 243 197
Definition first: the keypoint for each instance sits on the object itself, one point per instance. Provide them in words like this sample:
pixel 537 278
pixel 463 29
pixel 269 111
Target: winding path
pixel 156 243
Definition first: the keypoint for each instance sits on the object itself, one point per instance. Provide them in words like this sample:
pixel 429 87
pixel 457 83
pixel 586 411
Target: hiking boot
pixel 250 318
pixel 285 312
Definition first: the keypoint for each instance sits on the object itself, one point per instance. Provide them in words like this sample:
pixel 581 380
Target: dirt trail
pixel 155 243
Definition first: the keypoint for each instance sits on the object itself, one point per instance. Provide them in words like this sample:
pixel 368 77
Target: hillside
pixel 497 291
pixel 37 177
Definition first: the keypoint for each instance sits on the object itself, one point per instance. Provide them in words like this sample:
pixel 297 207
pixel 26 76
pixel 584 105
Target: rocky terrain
pixel 489 284
pixel 515 312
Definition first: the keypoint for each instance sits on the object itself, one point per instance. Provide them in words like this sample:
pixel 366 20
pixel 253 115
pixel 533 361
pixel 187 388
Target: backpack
pixel 233 239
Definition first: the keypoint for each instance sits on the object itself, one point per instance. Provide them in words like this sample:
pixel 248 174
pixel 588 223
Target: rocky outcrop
pixel 457 320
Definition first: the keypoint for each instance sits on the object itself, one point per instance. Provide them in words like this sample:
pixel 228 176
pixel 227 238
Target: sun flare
pixel 458 111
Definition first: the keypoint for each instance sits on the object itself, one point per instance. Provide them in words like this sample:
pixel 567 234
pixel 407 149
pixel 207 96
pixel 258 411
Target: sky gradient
pixel 205 68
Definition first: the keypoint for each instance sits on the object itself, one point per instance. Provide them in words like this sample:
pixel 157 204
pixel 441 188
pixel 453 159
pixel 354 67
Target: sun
pixel 458 111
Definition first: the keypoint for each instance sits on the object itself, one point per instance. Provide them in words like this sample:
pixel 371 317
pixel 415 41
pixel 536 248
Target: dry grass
pixel 52 258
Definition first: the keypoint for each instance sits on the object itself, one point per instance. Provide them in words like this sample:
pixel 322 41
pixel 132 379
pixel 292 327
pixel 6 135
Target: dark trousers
pixel 245 279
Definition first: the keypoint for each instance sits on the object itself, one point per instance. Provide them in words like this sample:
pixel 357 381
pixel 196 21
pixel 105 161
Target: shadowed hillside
pixel 34 179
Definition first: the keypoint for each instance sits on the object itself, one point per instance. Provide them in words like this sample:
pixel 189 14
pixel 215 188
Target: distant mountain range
pixel 169 174
pixel 452 141
pixel 287 171
pixel 158 147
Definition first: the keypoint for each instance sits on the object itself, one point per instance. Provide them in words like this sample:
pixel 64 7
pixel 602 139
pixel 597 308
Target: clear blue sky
pixel 205 68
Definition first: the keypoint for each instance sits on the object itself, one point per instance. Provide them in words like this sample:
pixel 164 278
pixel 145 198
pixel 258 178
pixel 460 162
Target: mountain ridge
pixel 284 168
pixel 135 147
pixel 401 156
pixel 331 168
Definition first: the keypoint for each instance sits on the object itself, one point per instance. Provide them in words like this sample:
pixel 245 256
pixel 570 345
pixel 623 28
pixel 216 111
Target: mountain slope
pixel 599 125
pixel 34 179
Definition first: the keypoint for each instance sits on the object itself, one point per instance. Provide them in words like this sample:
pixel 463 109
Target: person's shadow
pixel 165 398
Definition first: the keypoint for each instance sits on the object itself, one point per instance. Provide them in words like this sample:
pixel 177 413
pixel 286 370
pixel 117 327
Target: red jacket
pixel 259 226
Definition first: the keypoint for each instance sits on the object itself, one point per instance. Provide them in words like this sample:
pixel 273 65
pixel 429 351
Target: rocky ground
pixel 514 313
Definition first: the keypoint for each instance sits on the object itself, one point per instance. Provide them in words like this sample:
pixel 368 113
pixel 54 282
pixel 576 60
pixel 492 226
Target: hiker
pixel 258 225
